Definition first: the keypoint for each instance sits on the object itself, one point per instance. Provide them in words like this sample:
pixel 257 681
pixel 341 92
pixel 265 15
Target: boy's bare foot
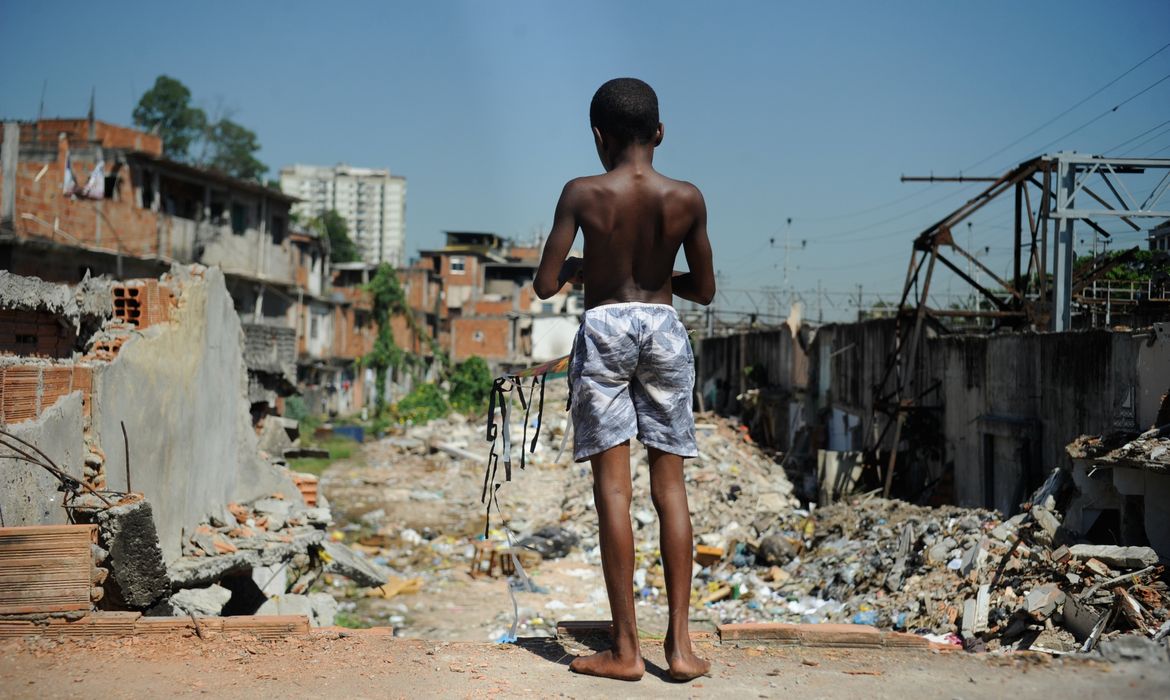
pixel 684 664
pixel 607 665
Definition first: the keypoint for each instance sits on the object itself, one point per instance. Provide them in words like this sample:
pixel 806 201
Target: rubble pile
pixel 962 575
pixel 282 544
pixel 1149 450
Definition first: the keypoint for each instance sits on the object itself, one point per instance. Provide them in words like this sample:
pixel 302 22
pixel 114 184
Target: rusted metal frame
pixel 1133 203
pixel 912 272
pixel 1045 206
pixel 1033 228
pixel 967 313
pixel 1110 207
pixel 912 357
pixel 1120 199
pixel 1092 224
pixel 1110 263
pixel 1003 306
pixel 1017 237
pixel 1157 192
pixel 973 205
pixel 1002 282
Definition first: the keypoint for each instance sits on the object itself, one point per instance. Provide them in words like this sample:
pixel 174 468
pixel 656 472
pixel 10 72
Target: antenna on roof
pixel 41 108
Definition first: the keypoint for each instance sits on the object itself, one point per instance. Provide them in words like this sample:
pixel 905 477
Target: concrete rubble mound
pixel 959 575
pixel 962 576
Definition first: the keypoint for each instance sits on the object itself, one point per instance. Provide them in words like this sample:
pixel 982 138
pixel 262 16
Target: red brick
pixel 20 393
pixel 817 635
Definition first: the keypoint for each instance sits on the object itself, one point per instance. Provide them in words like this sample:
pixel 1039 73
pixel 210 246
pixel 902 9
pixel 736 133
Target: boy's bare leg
pixel 669 493
pixel 611 494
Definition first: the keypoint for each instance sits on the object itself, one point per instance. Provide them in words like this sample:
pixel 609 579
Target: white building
pixel 372 202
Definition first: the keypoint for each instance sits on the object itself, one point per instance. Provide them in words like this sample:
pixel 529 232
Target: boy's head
pixel 625 111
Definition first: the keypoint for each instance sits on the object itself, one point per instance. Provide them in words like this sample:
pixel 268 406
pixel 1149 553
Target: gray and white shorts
pixel 632 374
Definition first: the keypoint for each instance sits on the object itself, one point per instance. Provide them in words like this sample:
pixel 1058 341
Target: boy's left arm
pixel 555 270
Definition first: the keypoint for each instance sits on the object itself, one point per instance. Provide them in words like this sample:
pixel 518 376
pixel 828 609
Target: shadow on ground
pixel 559 652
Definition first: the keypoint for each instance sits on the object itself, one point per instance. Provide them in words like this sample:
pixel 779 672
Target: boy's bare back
pixel 634 219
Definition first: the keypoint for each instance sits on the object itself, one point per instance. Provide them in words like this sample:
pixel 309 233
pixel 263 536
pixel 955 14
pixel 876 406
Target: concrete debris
pixel 342 560
pixel 319 608
pixel 1002 583
pixel 1115 557
pixel 201 602
pixel 138 576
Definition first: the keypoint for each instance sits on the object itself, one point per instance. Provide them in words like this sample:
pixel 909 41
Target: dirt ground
pixel 377 667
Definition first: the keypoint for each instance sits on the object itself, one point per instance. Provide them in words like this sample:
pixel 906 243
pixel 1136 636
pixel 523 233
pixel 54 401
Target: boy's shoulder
pixel 611 182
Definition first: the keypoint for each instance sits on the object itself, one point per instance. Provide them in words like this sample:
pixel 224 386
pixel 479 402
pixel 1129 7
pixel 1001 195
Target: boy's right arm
pixel 550 276
pixel 698 285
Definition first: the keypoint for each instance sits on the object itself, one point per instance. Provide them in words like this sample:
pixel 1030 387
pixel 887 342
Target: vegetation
pixel 227 146
pixel 471 385
pixel 331 226
pixel 166 109
pixel 1143 265
pixel 338 448
pixel 425 403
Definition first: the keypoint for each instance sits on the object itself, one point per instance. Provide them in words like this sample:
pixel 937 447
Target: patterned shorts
pixel 632 374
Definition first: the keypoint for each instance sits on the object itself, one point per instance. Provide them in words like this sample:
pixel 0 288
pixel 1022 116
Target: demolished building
pixel 132 398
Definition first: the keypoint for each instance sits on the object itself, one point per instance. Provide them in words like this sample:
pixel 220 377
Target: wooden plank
pixel 46 568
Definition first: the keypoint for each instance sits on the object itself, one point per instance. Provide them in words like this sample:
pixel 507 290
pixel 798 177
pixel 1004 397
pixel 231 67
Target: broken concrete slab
pixel 344 561
pixel 1116 557
pixel 1134 647
pixel 201 602
pixel 189 572
pixel 324 609
pixel 138 575
pixel 1042 601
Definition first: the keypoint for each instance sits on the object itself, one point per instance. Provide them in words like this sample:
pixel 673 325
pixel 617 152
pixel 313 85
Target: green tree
pixel 388 300
pixel 166 109
pixel 471 385
pixel 332 226
pixel 233 150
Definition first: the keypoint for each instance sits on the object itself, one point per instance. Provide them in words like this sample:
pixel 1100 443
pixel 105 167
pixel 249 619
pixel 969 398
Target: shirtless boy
pixel 632 372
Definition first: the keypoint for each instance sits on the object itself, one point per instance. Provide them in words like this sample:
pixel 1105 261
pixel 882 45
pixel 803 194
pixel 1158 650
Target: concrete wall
pixel 1013 402
pixel 28 494
pixel 180 389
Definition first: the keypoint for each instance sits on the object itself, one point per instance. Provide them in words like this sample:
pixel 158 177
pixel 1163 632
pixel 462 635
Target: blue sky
pixel 777 110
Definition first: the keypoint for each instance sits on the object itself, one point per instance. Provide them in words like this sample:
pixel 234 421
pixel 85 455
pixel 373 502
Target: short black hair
pixel 625 110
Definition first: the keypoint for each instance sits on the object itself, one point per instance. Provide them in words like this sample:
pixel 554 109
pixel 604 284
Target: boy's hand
pixel 572 272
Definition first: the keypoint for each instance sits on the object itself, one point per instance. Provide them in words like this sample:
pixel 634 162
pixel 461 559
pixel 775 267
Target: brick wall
pixel 488 338
pixel 27 391
pixel 35 334
pixel 143 303
pixel 47 131
pixel 116 224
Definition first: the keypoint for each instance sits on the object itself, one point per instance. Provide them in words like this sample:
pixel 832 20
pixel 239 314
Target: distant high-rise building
pixel 372 202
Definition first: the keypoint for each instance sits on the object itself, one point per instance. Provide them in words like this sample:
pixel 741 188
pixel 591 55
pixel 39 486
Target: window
pixel 239 218
pixel 458 264
pixel 313 327
pixel 546 307
pixel 278 229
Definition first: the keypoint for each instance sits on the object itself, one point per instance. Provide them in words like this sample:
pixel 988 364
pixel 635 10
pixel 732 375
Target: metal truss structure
pixel 1052 193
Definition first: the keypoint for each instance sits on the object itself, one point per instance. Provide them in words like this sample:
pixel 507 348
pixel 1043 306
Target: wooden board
pixel 46 568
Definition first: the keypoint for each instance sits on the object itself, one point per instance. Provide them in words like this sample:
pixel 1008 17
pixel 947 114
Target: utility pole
pixel 859 302
pixel 788 248
pixel 820 305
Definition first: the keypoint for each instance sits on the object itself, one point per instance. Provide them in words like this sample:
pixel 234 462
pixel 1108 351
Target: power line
pixel 859 212
pixel 1104 114
pixel 1135 138
pixel 1156 136
pixel 1051 121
